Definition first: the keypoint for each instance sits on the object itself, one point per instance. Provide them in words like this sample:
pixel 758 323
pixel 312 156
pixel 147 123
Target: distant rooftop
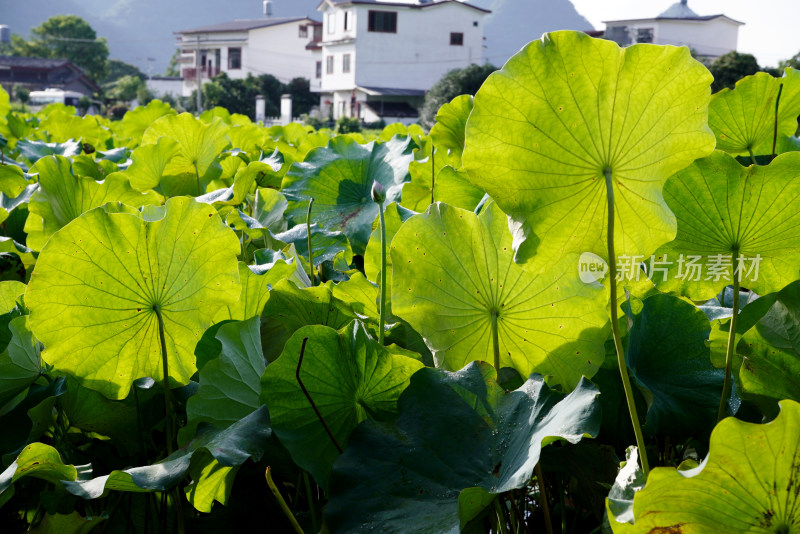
pixel 243 25
pixel 679 10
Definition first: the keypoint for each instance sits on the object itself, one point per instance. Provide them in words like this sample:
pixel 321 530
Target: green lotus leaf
pixel 136 121
pixel 9 204
pixel 149 162
pixel 360 294
pixel 247 438
pixel 10 247
pixel 326 244
pixel 5 106
pixel 675 374
pixel 20 363
pixel 454 270
pixel 743 119
pixel 231 383
pixel 770 351
pixel 33 151
pixel 199 143
pixel 243 184
pixel 455 431
pixel 71 523
pixel 251 138
pixel 732 218
pixel 562 113
pixel 97 169
pixel 290 308
pixel 13 181
pixel 9 291
pixel 256 284
pixel 62 196
pixel 36 460
pixel 451 186
pixel 451 124
pixel 99 281
pixel 627 483
pixel 394 216
pixel 350 378
pixel 62 126
pixel 748 483
pixel 339 178
pixel 211 481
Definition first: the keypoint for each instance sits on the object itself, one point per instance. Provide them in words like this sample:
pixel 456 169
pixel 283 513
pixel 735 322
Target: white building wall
pixel 708 38
pixel 280 51
pixel 420 53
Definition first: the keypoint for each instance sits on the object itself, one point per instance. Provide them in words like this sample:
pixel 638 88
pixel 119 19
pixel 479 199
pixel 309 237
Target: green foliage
pixel 125 88
pixel 169 250
pixel 729 68
pixel 456 82
pixel 239 95
pixel 348 125
pixel 22 94
pixel 117 69
pixel 70 37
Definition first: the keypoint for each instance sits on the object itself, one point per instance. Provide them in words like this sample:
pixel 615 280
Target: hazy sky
pixel 770 32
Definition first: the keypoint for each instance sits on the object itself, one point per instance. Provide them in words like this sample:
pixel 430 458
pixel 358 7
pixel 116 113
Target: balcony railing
pixel 190 74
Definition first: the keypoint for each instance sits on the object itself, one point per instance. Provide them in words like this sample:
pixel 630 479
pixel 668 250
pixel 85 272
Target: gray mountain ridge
pixel 140 32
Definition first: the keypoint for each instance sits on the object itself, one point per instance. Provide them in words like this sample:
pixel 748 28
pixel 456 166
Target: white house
pixel 709 36
pixel 283 47
pixel 379 57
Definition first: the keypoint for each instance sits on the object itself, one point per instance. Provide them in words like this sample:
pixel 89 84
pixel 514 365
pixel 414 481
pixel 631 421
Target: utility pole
pixel 199 78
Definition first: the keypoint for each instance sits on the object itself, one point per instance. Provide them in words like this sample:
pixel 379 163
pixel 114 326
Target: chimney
pixel 267 6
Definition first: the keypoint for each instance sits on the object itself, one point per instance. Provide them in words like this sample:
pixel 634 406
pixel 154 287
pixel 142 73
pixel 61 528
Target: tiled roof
pixel 419 5
pixel 243 25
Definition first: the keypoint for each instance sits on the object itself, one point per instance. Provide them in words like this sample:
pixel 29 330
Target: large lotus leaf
pixel 98 282
pixel 149 162
pixel 70 523
pixel 568 108
pixel 231 383
pixel 20 362
pixel 339 178
pixel 454 270
pixel 5 106
pixel 63 196
pixel 732 218
pixel 9 291
pixel 743 119
pixel 199 143
pixel 133 125
pixel 748 483
pixel 256 284
pixel 451 125
pixel 770 351
pixel 451 186
pixel 290 308
pixel 37 460
pixel 360 294
pixel 33 151
pixel 10 247
pixel 267 216
pixel 675 374
pixel 455 431
pixel 247 438
pixel 244 183
pixel 350 378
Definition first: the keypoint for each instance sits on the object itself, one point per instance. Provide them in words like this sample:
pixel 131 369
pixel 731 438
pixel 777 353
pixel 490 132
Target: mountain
pixel 140 32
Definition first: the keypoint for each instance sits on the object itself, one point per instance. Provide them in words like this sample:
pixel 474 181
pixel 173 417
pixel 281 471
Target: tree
pixel 302 97
pixel 174 67
pixel 126 88
pixel 117 69
pixel 22 94
pixel 69 37
pixel 730 68
pixel 793 62
pixel 465 81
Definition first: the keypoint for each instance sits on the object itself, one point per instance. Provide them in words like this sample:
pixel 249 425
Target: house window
pixel 644 35
pixel 303 31
pixel 331 22
pixel 329 65
pixel 456 39
pixel 319 69
pixel 234 58
pixel 346 63
pixel 348 21
pixel 382 21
